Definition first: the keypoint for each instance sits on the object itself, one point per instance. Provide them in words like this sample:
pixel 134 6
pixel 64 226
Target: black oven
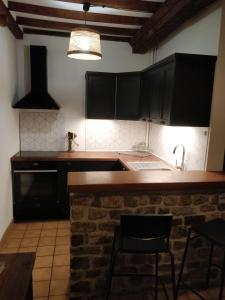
pixel 36 190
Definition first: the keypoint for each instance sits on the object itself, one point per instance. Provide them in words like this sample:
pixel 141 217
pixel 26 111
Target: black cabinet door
pixel 193 86
pixel 145 95
pixel 100 95
pixel 156 84
pixel 128 96
pixel 167 92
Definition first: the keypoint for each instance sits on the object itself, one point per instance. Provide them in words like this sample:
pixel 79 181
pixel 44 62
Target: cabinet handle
pixel 35 164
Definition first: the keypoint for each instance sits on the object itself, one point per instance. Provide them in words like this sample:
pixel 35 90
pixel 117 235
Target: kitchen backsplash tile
pixel 114 135
pixel 163 139
pixel 41 131
pixel 46 131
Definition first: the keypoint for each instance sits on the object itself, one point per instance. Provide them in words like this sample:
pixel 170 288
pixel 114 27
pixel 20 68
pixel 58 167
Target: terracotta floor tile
pixel 63 232
pixel 32 233
pixel 50 225
pixel 46 241
pixel 15 234
pixel 19 226
pixel 8 250
pixel 62 240
pixel 60 272
pixel 61 260
pixel 42 274
pixel 64 224
pixel 41 288
pixel 59 287
pixel 29 242
pixel 45 250
pixel 62 249
pixel 11 243
pixel 61 297
pixel 27 249
pixel 43 262
pixel 49 232
pixel 35 225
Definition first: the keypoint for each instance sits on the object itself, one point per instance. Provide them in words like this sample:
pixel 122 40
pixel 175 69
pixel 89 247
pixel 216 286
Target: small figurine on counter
pixel 71 140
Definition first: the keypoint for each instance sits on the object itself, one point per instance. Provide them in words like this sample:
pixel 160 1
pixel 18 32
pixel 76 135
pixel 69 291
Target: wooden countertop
pixel 80 155
pixel 144 180
pixel 122 180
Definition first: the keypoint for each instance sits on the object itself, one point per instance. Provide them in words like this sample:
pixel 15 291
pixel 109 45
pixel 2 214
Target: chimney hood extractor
pixel 39 97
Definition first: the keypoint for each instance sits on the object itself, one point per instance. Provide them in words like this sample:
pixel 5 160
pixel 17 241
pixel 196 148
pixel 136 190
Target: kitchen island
pixel 97 199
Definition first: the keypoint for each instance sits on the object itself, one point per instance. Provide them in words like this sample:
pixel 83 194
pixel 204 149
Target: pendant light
pixel 84 42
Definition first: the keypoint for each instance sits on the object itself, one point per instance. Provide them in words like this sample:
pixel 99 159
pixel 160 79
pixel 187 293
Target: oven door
pixel 35 188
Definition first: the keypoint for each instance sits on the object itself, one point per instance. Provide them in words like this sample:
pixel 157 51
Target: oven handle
pixel 35 171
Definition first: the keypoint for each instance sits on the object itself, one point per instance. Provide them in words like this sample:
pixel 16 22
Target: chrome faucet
pixel 181 167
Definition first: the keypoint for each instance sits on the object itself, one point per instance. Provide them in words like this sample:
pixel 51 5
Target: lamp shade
pixel 85 44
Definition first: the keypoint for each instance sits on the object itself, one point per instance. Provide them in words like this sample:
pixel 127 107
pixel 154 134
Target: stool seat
pixel 213 230
pixel 131 245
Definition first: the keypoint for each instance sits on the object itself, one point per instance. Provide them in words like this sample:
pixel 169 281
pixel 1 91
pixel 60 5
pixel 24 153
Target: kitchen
pixel 46 130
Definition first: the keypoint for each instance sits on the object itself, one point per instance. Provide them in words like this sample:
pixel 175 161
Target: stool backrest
pixel 146 226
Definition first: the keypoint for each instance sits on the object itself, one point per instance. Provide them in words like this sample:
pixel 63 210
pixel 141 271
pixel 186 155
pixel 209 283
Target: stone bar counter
pixel 98 199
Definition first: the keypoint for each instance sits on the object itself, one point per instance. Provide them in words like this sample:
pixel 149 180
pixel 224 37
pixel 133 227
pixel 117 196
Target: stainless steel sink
pixel 150 166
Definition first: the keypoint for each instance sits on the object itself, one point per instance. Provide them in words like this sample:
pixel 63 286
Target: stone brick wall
pixel 93 217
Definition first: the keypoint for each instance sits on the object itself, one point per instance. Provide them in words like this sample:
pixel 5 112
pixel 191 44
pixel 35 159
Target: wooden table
pixel 16 279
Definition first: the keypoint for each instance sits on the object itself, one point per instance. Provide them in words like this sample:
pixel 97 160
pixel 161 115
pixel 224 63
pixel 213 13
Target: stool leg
pixel 209 266
pixel 156 275
pixel 182 264
pixel 173 275
pixel 222 279
pixel 111 269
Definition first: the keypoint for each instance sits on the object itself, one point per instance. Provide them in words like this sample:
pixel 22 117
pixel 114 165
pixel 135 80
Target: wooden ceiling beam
pixel 74 15
pixel 67 34
pixel 70 26
pixel 3 21
pixel 136 5
pixel 6 19
pixel 167 19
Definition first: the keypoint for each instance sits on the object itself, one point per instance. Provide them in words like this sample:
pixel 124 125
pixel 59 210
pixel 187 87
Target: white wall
pixel 198 36
pixel 66 79
pixel 9 125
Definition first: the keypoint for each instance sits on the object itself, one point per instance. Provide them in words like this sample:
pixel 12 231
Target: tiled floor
pixel 51 242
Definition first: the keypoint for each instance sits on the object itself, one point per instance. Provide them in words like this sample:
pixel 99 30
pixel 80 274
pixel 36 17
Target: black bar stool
pixel 214 232
pixel 142 234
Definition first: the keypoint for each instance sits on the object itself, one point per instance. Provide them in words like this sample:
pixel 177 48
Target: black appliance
pixel 39 97
pixel 36 191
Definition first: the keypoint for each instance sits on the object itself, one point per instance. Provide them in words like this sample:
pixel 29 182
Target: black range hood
pixel 39 97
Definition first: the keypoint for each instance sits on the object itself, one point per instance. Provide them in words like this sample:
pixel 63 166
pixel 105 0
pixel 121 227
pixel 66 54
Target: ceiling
pixel 142 23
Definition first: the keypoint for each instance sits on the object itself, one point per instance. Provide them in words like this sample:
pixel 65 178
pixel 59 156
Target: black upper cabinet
pixel 128 96
pixel 113 96
pixel 178 90
pixel 100 95
pixel 175 91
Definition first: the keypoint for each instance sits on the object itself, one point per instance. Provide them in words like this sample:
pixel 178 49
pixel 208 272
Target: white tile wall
pixel 164 138
pixel 43 131
pixel 114 135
